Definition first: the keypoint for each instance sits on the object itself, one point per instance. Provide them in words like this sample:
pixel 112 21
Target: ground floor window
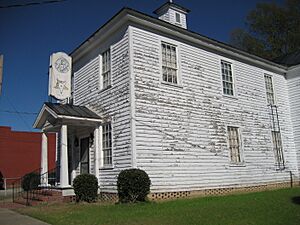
pixel 234 144
pixel 107 144
pixel 277 146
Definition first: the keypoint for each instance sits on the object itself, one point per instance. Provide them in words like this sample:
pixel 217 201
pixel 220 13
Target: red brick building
pixel 20 152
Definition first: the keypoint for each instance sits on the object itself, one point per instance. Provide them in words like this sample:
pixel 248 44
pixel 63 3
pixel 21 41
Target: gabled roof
pixel 290 59
pixel 54 114
pixel 133 16
pixel 72 110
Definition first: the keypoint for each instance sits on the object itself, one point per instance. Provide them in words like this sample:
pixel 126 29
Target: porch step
pixel 41 196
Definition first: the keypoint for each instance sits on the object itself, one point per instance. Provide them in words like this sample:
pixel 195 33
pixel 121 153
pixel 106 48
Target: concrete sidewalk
pixel 8 217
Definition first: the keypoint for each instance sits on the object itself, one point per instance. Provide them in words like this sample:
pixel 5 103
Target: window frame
pixel 177 15
pixel 101 78
pixel 273 89
pixel 278 164
pixel 241 152
pixel 234 94
pixel 178 69
pixel 103 165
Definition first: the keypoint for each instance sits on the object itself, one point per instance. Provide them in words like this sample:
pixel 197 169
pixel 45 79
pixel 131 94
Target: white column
pixel 97 151
pixel 64 177
pixel 44 160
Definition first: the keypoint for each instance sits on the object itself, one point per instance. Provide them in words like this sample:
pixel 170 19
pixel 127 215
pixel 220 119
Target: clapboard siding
pixel 294 96
pixel 181 130
pixel 112 103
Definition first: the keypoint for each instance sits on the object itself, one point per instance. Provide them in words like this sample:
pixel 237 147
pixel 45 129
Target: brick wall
pixel 20 152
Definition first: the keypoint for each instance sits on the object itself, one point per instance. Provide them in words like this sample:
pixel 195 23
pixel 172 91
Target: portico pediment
pixel 53 115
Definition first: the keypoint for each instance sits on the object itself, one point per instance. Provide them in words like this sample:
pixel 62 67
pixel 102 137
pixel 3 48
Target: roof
pixel 207 42
pixel 72 110
pixel 52 115
pixel 290 59
pixel 169 4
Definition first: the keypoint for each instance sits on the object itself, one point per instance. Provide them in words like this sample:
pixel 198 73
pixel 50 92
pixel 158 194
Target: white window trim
pixel 233 77
pixel 242 163
pixel 178 22
pixel 102 166
pixel 277 165
pixel 100 70
pixel 178 60
pixel 273 86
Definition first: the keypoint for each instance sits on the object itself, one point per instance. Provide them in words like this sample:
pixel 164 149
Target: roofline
pixel 171 4
pixel 45 107
pixel 141 18
pixel 100 28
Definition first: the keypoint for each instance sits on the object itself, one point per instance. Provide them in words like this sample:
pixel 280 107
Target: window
pixel 234 144
pixel 107 144
pixel 177 15
pixel 227 78
pixel 106 74
pixel 269 90
pixel 277 146
pixel 169 63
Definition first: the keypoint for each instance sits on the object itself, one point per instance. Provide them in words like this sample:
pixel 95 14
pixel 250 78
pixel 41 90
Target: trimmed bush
pixel 85 187
pixel 30 181
pixel 133 185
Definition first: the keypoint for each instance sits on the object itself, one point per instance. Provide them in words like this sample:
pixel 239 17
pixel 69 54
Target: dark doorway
pixel 84 155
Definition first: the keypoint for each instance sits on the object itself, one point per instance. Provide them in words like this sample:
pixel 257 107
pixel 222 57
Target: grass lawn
pixel 271 207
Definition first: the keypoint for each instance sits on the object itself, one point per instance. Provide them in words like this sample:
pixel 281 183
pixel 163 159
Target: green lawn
pixel 272 207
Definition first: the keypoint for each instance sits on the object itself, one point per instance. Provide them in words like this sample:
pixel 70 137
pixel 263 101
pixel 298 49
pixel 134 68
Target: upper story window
pixel 169 63
pixel 227 78
pixel 177 17
pixel 107 144
pixel 234 144
pixel 269 89
pixel 106 73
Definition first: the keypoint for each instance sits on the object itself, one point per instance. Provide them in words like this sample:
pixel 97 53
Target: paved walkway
pixel 8 217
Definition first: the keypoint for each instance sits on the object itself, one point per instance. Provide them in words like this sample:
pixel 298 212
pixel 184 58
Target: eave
pixel 131 17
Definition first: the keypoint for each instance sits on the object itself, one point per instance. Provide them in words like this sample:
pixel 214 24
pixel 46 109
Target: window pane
pixel 106 75
pixel 227 78
pixel 269 89
pixel 277 147
pixel 169 63
pixel 234 144
pixel 107 144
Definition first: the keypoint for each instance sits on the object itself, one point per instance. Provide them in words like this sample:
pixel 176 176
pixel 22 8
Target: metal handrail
pixel 42 181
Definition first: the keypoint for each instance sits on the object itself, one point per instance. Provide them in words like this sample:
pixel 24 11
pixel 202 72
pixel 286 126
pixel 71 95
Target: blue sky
pixel 28 36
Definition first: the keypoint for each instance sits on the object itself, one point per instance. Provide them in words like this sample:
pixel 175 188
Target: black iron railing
pixel 32 185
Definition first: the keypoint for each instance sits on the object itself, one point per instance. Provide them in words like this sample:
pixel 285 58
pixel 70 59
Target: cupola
pixel 173 13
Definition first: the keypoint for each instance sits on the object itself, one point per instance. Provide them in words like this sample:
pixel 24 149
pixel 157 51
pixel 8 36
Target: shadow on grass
pixel 296 200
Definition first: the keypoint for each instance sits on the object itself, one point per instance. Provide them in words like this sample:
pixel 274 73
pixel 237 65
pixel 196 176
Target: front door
pixel 84 155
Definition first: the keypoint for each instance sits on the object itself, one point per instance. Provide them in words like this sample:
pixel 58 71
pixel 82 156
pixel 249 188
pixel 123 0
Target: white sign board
pixel 60 75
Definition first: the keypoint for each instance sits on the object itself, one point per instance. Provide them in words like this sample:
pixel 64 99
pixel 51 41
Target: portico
pixel 78 141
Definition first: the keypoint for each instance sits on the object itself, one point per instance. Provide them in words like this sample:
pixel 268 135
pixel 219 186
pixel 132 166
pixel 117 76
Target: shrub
pixel 133 185
pixel 85 187
pixel 30 181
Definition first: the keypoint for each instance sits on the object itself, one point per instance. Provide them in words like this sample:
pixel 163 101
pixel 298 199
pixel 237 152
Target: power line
pixel 31 4
pixel 18 112
pixel 20 115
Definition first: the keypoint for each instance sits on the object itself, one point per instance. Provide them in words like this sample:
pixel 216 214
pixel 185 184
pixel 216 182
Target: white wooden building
pixel 194 113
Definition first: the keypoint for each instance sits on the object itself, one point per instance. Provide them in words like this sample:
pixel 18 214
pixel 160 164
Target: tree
pixel 271 30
